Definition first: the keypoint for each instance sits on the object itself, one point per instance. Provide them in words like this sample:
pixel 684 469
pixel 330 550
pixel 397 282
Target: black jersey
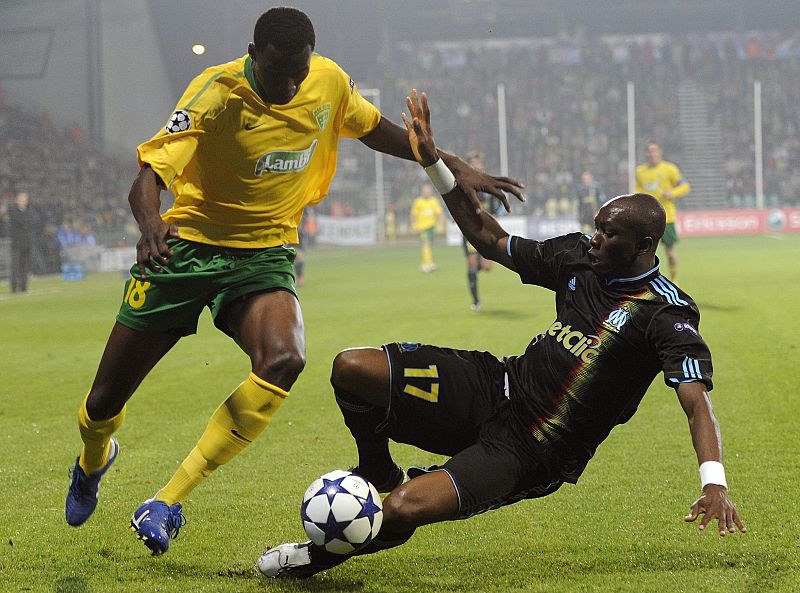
pixel 611 337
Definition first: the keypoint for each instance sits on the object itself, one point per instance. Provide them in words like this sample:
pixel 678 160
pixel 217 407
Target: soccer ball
pixel 341 512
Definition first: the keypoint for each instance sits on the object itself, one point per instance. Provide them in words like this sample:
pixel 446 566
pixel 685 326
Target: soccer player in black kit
pixel 520 427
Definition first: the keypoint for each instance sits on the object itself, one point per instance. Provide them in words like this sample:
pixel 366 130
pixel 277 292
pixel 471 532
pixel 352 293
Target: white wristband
pixel 712 472
pixel 441 177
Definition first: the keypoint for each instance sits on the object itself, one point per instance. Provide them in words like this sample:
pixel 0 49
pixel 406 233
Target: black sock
pixel 472 276
pixel 384 542
pixel 375 462
pixel 322 559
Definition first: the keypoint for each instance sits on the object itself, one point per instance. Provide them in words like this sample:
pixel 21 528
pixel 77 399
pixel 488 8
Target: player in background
pixel 307 236
pixel 589 197
pixel 251 144
pixel 520 427
pixel 663 180
pixel 426 215
pixel 390 224
pixel 475 261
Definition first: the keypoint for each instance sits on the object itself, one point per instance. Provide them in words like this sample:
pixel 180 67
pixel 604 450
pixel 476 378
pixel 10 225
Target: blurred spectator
pixel 566 106
pixel 589 197
pixel 50 249
pixel 21 225
pixel 310 228
pixel 70 179
pixel 566 112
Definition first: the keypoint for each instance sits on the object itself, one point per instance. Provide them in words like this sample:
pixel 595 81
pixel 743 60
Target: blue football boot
pixel 156 523
pixel 83 490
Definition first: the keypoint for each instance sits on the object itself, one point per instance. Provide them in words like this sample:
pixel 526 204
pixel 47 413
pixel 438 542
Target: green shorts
pixel 670 235
pixel 197 276
pixel 427 234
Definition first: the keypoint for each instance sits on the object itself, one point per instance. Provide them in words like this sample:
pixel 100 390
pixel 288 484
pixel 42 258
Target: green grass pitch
pixel 619 529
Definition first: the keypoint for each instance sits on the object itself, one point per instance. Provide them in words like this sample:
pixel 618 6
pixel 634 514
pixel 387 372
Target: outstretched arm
pixel 389 138
pixel 713 502
pixel 479 227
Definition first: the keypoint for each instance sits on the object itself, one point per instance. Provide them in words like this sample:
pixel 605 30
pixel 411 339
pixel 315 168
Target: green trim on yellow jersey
pixel 251 78
pixel 199 94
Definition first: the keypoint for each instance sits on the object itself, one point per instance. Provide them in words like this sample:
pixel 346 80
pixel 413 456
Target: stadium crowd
pixel 78 194
pixel 566 113
pixel 566 105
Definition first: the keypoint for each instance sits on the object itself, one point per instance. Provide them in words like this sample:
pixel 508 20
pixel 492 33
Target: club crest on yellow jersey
pixel 322 114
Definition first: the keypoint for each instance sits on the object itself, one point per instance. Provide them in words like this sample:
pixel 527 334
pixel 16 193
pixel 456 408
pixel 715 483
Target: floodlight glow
pixel 198 49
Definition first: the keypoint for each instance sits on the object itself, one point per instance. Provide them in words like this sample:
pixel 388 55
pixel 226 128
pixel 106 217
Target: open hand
pixel 715 504
pixel 419 129
pixel 469 179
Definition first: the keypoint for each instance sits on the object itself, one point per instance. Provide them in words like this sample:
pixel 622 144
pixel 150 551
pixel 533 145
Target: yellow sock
pixel 96 436
pixel 234 425
pixel 427 255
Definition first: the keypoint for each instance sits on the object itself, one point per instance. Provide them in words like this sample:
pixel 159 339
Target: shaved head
pixel 627 231
pixel 639 213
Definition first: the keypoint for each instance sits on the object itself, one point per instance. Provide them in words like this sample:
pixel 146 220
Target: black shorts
pixel 454 402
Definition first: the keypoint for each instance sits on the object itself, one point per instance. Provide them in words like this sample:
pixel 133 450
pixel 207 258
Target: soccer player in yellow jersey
pixel 426 214
pixel 663 180
pixel 251 143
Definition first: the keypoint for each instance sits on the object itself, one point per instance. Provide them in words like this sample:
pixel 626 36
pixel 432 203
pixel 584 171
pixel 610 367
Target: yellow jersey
pixel 242 170
pixel 654 179
pixel 425 212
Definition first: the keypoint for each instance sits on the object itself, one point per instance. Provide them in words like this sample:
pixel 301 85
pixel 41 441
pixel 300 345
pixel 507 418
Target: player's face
pixel 614 247
pixel 654 154
pixel 279 75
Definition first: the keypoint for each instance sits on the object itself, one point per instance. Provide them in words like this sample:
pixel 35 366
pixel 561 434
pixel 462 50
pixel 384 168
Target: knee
pixel 105 400
pixel 402 510
pixel 281 369
pixel 347 367
pixel 99 408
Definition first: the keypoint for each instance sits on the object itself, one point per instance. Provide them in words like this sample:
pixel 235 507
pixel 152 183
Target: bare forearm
pixel 145 197
pixel 479 228
pixel 389 138
pixel 703 425
pixel 706 438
